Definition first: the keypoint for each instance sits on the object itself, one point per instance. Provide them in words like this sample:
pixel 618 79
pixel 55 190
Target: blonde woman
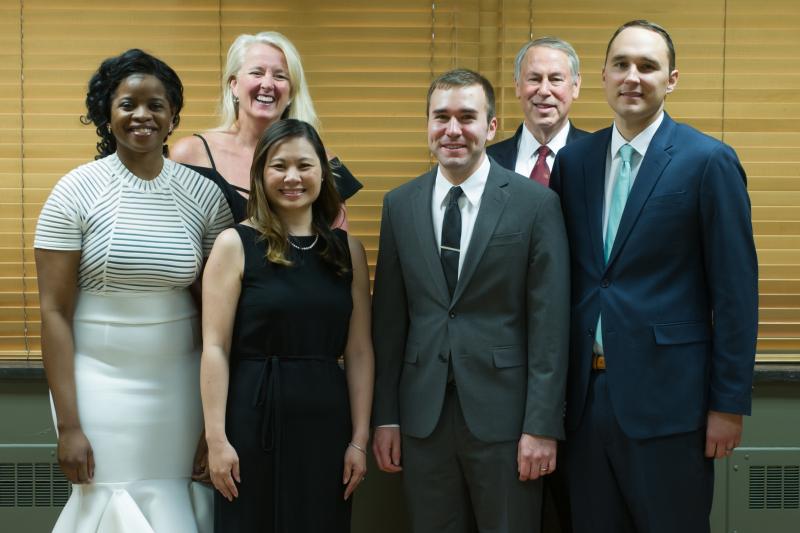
pixel 263 82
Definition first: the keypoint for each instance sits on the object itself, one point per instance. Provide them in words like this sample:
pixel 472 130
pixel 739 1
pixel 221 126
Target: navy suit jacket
pixel 679 294
pixel 505 152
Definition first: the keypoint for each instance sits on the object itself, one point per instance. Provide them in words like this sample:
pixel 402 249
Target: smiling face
pixel 546 89
pixel 637 78
pixel 458 129
pixel 292 177
pixel 262 85
pixel 141 116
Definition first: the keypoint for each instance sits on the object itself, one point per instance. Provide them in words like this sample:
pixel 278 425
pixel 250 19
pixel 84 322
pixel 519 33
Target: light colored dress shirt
pixel 640 143
pixel 528 145
pixel 469 203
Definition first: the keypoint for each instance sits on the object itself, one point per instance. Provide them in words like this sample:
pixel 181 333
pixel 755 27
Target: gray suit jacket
pixel 506 327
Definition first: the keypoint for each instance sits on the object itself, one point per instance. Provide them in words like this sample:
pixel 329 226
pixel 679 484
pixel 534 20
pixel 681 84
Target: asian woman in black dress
pixel 284 297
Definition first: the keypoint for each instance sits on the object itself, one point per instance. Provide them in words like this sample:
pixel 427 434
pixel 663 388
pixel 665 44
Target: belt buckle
pixel 598 361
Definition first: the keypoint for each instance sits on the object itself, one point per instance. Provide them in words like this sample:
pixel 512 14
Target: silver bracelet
pixel 357 447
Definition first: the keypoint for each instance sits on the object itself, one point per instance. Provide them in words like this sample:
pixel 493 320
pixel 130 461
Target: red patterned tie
pixel 541 172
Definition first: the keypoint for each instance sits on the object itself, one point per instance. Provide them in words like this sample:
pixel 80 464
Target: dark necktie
pixel 451 239
pixel 541 172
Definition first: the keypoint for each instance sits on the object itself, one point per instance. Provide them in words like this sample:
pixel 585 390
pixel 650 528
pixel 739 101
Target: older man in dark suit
pixel 547 79
pixel 470 327
pixel 664 302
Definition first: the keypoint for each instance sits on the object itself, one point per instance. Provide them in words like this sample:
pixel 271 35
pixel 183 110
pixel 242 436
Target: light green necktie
pixel 619 196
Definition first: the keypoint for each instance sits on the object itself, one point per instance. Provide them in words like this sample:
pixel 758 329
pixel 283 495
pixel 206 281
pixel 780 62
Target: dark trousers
pixel 555 503
pixel 455 483
pixel 619 485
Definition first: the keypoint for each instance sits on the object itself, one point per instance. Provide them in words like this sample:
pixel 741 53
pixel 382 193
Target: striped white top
pixel 134 235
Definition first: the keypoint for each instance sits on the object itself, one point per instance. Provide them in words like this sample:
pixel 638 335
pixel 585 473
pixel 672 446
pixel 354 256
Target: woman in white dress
pixel 119 242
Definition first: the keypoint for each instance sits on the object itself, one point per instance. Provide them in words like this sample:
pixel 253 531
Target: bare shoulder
pixel 189 150
pixel 228 241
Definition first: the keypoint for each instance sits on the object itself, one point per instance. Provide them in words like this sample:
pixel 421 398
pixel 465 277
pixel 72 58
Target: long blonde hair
pixel 300 105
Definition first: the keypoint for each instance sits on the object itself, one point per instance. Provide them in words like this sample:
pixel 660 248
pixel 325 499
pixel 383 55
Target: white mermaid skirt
pixel 137 361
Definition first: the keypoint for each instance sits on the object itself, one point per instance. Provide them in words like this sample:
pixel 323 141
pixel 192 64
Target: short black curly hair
pixel 105 81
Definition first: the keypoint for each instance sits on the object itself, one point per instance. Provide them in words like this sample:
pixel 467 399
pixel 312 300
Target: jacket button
pixel 452 314
pixel 443 357
pixel 605 283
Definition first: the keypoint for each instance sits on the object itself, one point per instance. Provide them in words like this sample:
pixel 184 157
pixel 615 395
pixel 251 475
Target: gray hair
pixel 300 104
pixel 549 42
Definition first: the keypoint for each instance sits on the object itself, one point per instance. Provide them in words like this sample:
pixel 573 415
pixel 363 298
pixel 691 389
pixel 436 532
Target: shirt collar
pixel 528 143
pixel 473 186
pixel 640 143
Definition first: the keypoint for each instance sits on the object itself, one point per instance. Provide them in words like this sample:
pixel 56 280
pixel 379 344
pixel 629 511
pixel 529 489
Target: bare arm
pixel 359 368
pixel 57 273
pixel 222 284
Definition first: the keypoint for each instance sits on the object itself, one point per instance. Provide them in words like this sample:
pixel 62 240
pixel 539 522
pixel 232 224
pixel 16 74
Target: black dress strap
pixel 208 149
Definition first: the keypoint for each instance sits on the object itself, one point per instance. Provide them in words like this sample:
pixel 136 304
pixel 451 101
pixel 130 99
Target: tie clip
pixel 443 247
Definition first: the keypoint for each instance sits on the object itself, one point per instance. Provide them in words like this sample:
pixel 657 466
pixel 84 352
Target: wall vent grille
pixel 32 485
pixel 774 487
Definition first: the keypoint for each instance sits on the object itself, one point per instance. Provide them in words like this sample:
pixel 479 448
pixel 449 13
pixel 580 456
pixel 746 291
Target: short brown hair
pixel 462 77
pixel 647 25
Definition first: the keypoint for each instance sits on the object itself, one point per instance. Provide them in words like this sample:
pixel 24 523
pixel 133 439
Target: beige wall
pixel 369 64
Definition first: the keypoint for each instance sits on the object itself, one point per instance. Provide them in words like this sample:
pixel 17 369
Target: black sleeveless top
pixel 346 183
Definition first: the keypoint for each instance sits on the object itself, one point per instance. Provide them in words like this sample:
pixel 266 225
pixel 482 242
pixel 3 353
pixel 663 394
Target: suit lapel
pixel 421 204
pixel 594 172
pixel 493 202
pixel 653 165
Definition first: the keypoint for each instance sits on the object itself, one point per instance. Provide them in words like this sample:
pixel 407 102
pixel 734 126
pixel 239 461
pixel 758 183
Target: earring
pixel 235 100
pixel 108 127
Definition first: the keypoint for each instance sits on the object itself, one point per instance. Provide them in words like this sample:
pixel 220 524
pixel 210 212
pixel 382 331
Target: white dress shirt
pixel 528 145
pixel 640 143
pixel 469 203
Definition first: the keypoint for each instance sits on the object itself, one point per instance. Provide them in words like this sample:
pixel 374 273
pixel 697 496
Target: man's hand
pixel 386 447
pixel 536 456
pixel 723 434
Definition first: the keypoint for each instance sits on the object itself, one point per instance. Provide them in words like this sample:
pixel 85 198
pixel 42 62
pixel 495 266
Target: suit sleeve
pixel 732 272
pixel 389 326
pixel 548 321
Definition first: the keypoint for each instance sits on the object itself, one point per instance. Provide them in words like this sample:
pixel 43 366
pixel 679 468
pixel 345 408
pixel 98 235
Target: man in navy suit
pixel 664 303
pixel 547 79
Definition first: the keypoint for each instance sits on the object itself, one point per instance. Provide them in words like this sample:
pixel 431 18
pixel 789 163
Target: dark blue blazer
pixel 679 294
pixel 505 152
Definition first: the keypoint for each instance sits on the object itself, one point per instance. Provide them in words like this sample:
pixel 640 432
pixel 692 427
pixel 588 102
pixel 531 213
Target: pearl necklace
pixel 303 248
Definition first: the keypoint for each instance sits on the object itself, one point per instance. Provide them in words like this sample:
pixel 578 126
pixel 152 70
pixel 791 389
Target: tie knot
pixel 625 152
pixel 543 151
pixel 455 194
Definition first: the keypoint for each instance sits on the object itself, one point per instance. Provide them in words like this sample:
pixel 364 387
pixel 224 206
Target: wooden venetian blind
pixel 762 122
pixel 369 65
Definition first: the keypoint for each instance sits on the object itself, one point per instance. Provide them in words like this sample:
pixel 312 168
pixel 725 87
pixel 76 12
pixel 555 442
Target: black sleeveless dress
pixel 288 413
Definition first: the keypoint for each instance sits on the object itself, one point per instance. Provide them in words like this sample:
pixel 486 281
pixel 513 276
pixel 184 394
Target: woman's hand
pixel 223 464
pixel 355 469
pixel 75 456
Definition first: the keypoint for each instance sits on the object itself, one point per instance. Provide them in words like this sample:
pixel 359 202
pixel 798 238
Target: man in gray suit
pixel 470 327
